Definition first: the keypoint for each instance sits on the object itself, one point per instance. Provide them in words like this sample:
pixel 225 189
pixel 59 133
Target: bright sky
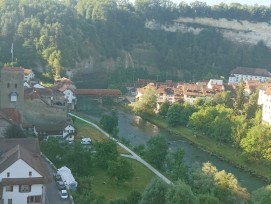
pixel 213 2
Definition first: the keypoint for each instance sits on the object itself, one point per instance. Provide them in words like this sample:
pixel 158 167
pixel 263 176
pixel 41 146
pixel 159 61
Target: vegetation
pixel 76 31
pixel 14 131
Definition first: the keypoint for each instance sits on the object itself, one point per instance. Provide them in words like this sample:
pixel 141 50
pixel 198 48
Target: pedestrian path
pixel 133 154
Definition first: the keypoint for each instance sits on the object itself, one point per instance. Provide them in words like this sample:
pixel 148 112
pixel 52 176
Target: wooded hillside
pixel 53 36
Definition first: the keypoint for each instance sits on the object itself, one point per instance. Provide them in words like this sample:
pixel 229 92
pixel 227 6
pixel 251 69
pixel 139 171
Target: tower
pixel 12 87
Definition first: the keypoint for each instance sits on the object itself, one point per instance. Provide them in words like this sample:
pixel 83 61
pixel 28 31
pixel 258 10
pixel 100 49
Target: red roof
pixel 98 92
pixel 11 113
pixel 12 69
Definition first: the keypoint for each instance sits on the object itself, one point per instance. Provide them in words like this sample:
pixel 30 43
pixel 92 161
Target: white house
pixel 68 133
pixel 69 95
pixel 264 100
pixel 244 74
pixel 23 176
pixel 28 75
pixel 213 83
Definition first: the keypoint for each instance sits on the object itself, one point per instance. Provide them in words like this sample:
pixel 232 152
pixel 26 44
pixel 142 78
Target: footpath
pixel 133 154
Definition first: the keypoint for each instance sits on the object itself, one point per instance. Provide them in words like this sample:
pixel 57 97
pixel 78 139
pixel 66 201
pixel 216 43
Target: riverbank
pixel 222 151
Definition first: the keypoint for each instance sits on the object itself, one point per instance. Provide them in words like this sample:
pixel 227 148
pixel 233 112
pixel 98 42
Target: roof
pixel 11 114
pixel 27 71
pixel 98 92
pixel 26 149
pixel 251 71
pixel 22 181
pixel 12 69
pixel 55 127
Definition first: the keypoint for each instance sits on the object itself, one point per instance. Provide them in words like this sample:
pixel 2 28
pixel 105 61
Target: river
pixel 138 131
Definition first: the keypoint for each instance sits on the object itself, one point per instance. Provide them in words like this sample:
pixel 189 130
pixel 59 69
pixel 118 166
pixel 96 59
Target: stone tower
pixel 12 87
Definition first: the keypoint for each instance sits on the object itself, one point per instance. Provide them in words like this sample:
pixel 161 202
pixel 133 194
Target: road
pixel 52 193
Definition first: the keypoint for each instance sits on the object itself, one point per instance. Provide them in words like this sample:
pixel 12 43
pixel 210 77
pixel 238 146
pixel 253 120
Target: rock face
pixel 234 30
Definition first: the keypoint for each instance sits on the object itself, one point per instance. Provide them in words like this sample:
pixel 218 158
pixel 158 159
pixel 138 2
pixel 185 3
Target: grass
pixel 85 130
pixel 224 151
pixel 104 186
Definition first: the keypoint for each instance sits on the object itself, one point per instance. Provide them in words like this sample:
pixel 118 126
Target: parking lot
pixel 52 193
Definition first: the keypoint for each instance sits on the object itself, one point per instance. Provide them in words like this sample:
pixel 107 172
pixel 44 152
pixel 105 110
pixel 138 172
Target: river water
pixel 138 131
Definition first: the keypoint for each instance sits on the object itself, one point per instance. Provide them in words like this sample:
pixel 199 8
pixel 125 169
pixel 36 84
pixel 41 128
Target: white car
pixel 64 194
pixel 86 141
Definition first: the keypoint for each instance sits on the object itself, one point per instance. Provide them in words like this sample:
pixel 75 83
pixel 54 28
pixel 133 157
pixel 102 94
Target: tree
pixel 105 151
pixel 223 98
pixel 239 128
pixel 147 102
pixel 208 199
pixel 252 106
pixel 134 197
pixel 164 108
pixel 109 123
pixel 156 151
pixel 261 195
pixel 175 165
pixel 174 114
pixel 155 192
pixel 181 193
pixel 121 170
pixel 256 143
pixel 238 105
pixel 14 131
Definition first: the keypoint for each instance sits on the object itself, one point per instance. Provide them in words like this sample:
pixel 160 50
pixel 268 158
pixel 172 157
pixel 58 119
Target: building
pixel 23 175
pixel 28 75
pixel 264 99
pixel 244 73
pixel 12 87
pixel 9 117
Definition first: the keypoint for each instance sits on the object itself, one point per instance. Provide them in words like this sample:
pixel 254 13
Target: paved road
pixel 134 155
pixel 52 193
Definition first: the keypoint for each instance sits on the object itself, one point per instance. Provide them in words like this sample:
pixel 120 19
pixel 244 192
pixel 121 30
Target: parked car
pixel 64 194
pixel 86 141
pixel 57 177
pixel 60 185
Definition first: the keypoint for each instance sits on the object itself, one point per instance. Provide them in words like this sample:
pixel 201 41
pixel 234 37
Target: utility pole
pixel 11 54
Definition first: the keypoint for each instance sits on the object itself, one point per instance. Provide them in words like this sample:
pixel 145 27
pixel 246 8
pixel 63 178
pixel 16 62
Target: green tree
pixel 239 128
pixel 147 102
pixel 252 106
pixel 156 151
pixel 134 197
pixel 181 193
pixel 121 170
pixel 155 192
pixel 175 165
pixel 105 151
pixel 238 105
pixel 174 114
pixel 109 123
pixel 261 195
pixel 256 143
pixel 14 131
pixel 223 98
pixel 208 199
pixel 164 108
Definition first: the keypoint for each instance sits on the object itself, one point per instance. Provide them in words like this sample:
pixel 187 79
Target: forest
pixel 53 36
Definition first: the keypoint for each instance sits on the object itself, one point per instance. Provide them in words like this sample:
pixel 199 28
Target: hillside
pixel 90 37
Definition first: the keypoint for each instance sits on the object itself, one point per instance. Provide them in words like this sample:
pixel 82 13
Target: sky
pixel 213 2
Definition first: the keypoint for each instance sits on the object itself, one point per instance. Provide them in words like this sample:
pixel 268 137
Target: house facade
pixel 244 74
pixel 28 75
pixel 264 99
pixel 28 184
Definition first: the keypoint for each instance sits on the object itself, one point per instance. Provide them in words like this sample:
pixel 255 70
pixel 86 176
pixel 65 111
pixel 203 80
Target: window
pixel 8 174
pixel 9 188
pixel 15 86
pixel 8 85
pixel 9 201
pixel 24 188
pixel 30 173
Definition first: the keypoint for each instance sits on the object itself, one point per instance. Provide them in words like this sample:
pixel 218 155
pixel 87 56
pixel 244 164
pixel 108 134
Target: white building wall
pixel 265 101
pixel 20 169
pixel 21 198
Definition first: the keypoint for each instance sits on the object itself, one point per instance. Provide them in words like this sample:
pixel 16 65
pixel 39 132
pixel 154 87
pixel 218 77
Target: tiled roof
pixel 12 69
pixel 251 71
pixel 26 149
pixel 11 114
pixel 55 127
pixel 98 92
pixel 27 71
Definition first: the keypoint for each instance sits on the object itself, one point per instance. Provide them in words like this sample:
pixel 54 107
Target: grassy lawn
pixel 226 151
pixel 85 130
pixel 103 186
